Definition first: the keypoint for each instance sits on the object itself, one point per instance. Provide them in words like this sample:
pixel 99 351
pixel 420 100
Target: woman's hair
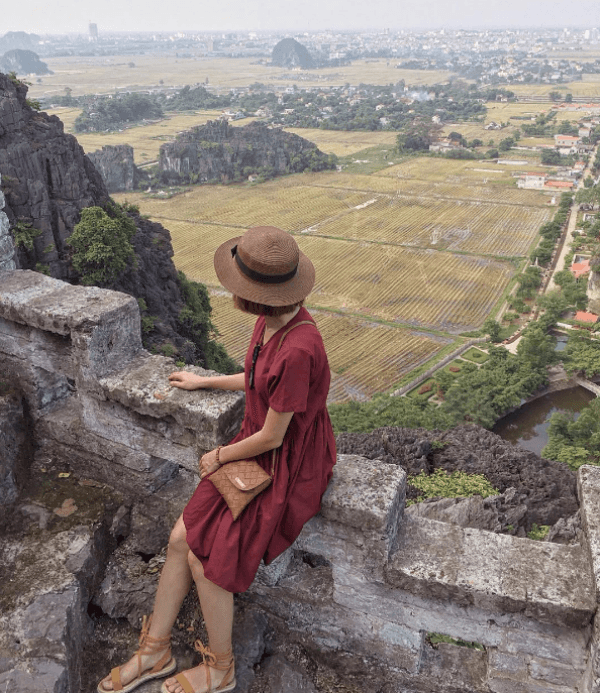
pixel 260 309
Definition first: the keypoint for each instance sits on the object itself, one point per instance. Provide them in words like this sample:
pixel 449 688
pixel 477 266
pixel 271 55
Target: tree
pixel 550 157
pixel 492 327
pixel 506 144
pixel 418 136
pixel 555 96
pixel 536 348
pixel 101 244
pixel 569 98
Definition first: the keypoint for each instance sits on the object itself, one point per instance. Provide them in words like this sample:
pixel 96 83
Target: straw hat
pixel 266 266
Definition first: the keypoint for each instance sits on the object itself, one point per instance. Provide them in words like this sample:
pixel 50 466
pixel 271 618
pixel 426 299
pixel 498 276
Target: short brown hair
pixel 260 309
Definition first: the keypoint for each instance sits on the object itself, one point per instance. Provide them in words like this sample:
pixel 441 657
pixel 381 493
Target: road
pixel 572 225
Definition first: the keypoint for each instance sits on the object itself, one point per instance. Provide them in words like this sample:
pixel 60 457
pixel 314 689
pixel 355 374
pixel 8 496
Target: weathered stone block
pixel 104 325
pixel 133 472
pixel 496 572
pixel 555 673
pixel 213 415
pixel 503 665
pixel 15 441
pixel 46 350
pixel 363 536
pixel 508 686
pixel 588 486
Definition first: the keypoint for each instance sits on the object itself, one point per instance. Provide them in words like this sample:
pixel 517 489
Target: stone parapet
pixel 363 580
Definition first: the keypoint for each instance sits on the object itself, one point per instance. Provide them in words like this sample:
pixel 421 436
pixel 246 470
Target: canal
pixel 528 425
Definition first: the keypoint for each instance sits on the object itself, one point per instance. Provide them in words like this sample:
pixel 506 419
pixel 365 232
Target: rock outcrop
pixel 290 53
pixel 23 62
pixel 543 491
pixel 116 166
pixel 47 180
pixel 219 152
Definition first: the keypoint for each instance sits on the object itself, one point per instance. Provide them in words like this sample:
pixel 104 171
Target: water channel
pixel 528 426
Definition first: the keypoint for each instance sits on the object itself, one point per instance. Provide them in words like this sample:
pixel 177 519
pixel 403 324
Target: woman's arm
pixel 268 438
pixel 190 381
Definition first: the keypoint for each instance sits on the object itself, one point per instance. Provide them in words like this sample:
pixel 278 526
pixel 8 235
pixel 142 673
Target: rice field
pixel 365 357
pixel 343 143
pixel 474 227
pixel 107 74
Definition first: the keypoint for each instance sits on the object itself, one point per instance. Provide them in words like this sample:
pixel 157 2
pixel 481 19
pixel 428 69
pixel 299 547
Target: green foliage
pixel 436 638
pixel 575 441
pixel 24 235
pixel 442 484
pixel 582 354
pixel 102 113
pixel 492 328
pixel 168 349
pixel 42 269
pixel 385 410
pixel 538 533
pixel 194 318
pixel 573 290
pixel 101 244
pixel 34 103
pixel 148 322
pixel 551 157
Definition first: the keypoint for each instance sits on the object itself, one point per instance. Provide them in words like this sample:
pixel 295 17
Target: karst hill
pixel 290 53
pixel 47 181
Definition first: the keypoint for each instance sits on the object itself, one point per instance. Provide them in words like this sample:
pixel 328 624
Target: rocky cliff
pixel 219 152
pixel 116 166
pixel 47 180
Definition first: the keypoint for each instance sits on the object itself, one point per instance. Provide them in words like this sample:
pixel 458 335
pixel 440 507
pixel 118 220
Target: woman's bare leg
pixel 217 610
pixel 174 584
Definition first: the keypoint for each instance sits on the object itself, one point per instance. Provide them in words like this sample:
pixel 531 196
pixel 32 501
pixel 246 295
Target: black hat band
pixel 259 276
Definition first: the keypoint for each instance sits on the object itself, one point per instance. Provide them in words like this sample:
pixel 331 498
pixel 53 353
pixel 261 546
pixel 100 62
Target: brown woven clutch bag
pixel 239 482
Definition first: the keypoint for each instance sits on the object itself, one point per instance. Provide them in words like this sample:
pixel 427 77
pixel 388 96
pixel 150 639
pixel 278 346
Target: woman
pixel 286 380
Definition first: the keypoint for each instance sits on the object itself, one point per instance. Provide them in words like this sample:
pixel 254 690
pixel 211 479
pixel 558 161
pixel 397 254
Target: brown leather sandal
pixel 148 645
pixel 221 662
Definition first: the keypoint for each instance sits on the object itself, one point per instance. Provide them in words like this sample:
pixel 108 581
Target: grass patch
pixel 475 355
pixel 435 638
pixel 371 159
pixel 442 484
pixel 538 533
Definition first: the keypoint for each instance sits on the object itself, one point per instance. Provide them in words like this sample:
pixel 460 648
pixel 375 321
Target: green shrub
pixel 436 638
pixel 101 243
pixel 538 533
pixel 442 484
pixel 24 234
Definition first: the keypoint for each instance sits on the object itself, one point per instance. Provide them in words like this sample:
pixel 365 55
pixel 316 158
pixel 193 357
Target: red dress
pixel 295 378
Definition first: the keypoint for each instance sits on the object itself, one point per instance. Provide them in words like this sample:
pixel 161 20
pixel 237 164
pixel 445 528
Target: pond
pixel 528 426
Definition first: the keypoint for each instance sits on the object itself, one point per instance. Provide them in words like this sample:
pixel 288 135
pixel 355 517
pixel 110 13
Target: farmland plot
pixel 475 227
pixel 365 357
pixel 341 143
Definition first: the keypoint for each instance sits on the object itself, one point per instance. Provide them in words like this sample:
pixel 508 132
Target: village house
pixel 562 185
pixel 566 141
pixel 532 181
pixel 578 269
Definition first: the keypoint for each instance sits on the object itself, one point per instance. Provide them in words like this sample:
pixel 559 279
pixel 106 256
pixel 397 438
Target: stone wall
pixel 363 583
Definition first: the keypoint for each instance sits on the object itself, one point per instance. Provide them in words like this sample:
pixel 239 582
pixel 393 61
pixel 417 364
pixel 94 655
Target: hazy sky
pixel 61 16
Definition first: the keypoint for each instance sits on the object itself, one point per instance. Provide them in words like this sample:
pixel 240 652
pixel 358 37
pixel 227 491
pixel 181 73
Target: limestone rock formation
pixel 18 39
pixel 47 180
pixel 23 62
pixel 290 53
pixel 219 152
pixel 116 166
pixel 547 489
pixel 7 248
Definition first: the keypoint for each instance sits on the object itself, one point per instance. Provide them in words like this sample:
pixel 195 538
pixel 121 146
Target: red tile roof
pixel 579 268
pixel 582 316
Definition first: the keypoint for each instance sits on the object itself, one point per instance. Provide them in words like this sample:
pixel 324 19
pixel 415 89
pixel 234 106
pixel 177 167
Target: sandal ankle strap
pixel 149 644
pixel 222 661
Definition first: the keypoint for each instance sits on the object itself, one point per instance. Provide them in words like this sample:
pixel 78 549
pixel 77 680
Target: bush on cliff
pixel 101 244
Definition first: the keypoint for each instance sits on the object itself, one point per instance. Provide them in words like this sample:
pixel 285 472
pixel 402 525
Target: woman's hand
pixel 208 463
pixel 186 381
